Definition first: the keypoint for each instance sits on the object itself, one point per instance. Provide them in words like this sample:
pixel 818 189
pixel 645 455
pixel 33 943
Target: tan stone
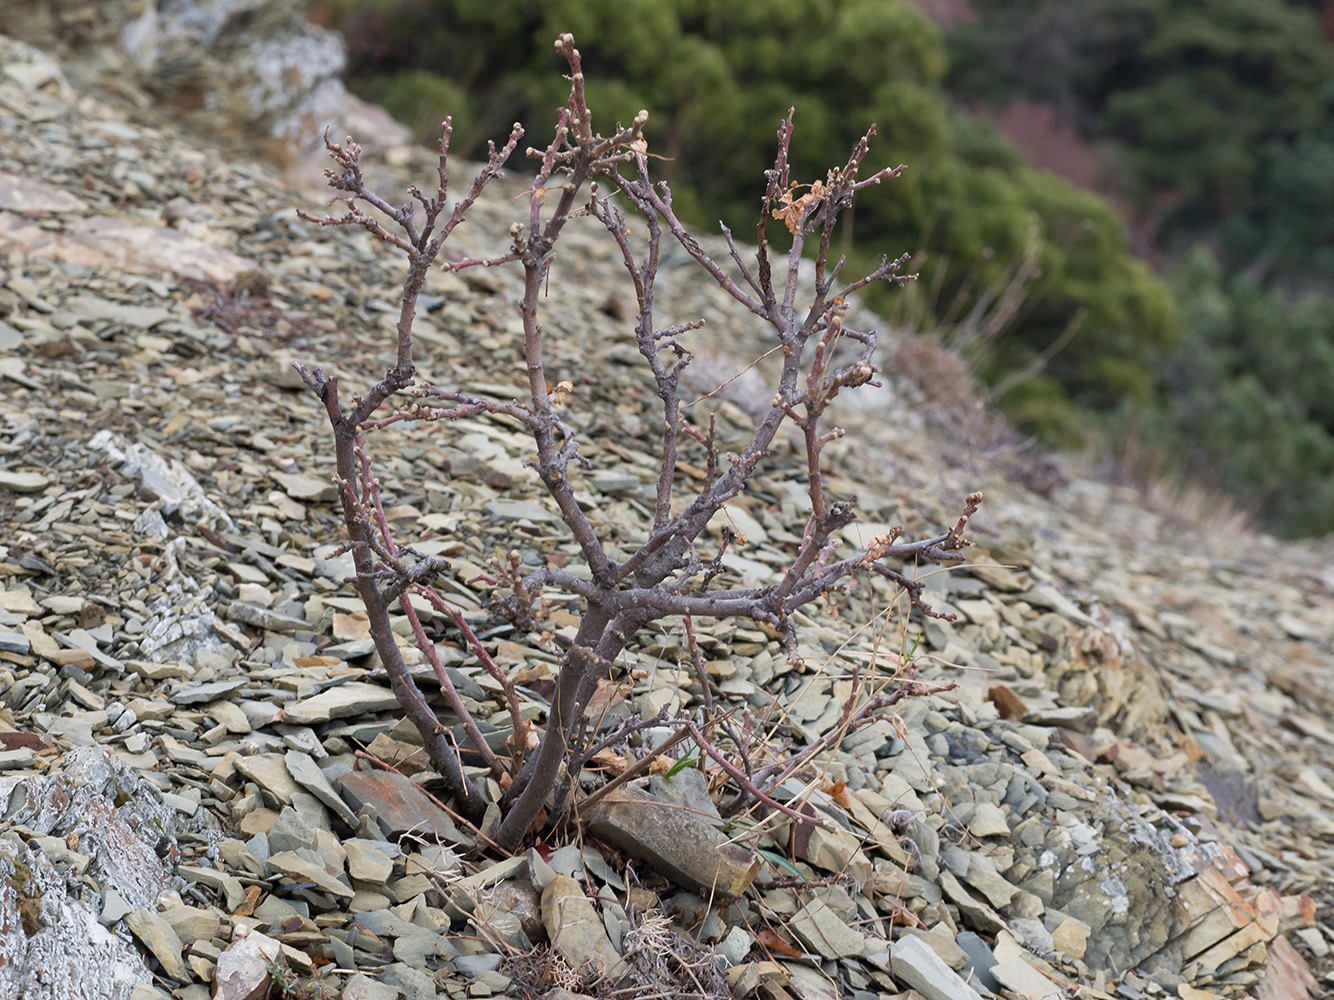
pixel 1070 939
pixel 576 931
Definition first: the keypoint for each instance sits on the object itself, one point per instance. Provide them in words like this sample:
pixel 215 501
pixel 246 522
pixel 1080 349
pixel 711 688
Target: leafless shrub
pixel 668 575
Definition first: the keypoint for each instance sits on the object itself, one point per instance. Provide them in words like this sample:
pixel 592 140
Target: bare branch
pixel 672 572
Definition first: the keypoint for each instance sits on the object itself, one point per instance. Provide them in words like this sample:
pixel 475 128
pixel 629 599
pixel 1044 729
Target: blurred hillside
pixel 1214 126
pixel 1206 127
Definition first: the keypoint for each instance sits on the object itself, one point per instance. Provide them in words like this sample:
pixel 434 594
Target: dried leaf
pixel 838 791
pixel 1008 704
pixel 793 209
pixel 608 693
pixel 611 759
pixel 768 939
pixel 247 908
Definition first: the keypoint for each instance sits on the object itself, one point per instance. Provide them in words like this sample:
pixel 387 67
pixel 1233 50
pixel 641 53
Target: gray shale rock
pixel 53 945
pixel 116 817
pixel 677 843
pixel 914 964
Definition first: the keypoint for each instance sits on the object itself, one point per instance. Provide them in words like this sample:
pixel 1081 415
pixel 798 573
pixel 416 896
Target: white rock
pixel 243 969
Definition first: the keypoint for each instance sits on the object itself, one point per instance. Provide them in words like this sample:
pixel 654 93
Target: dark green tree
pixel 716 77
pixel 1224 108
pixel 1245 401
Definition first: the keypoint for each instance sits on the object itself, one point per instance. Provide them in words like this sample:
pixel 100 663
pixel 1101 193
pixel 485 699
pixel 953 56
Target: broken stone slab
pixel 229 885
pixel 192 923
pixel 370 861
pixel 832 849
pixel 689 789
pixel 675 842
pixel 746 979
pixel 74 731
pixel 983 877
pixel 230 716
pixel 512 912
pixel 81 640
pixel 575 930
pixel 980 960
pixel 519 510
pixel 415 984
pixel 300 486
pixel 913 963
pixel 464 893
pixel 270 621
pixel 401 808
pixel 889 879
pixel 1020 978
pixel 988 821
pixel 291 832
pixel 363 987
pixel 1070 938
pixel 200 694
pixel 18 600
pixel 100 310
pixel 942 942
pixel 23 482
pixel 294 866
pixel 974 911
pixel 1079 719
pixel 1046 596
pixel 735 946
pixel 269 771
pixel 14 642
pixel 162 941
pixel 825 931
pixel 353 698
pixel 242 972
pixel 308 774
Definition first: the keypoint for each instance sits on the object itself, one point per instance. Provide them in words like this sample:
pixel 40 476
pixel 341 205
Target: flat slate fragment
pixel 23 482
pixel 402 807
pixel 675 842
pixel 200 694
pixel 293 865
pixel 308 774
pixel 913 963
pixel 575 932
pixel 354 698
pixel 271 621
pixel 826 932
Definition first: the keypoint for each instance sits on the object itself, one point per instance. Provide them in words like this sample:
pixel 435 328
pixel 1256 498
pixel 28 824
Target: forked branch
pixel 821 354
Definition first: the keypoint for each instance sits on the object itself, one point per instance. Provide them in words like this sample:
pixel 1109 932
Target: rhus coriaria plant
pixel 669 576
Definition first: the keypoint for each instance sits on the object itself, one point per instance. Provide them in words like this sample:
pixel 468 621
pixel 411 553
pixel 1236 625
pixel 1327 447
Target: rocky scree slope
pixel 1127 795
